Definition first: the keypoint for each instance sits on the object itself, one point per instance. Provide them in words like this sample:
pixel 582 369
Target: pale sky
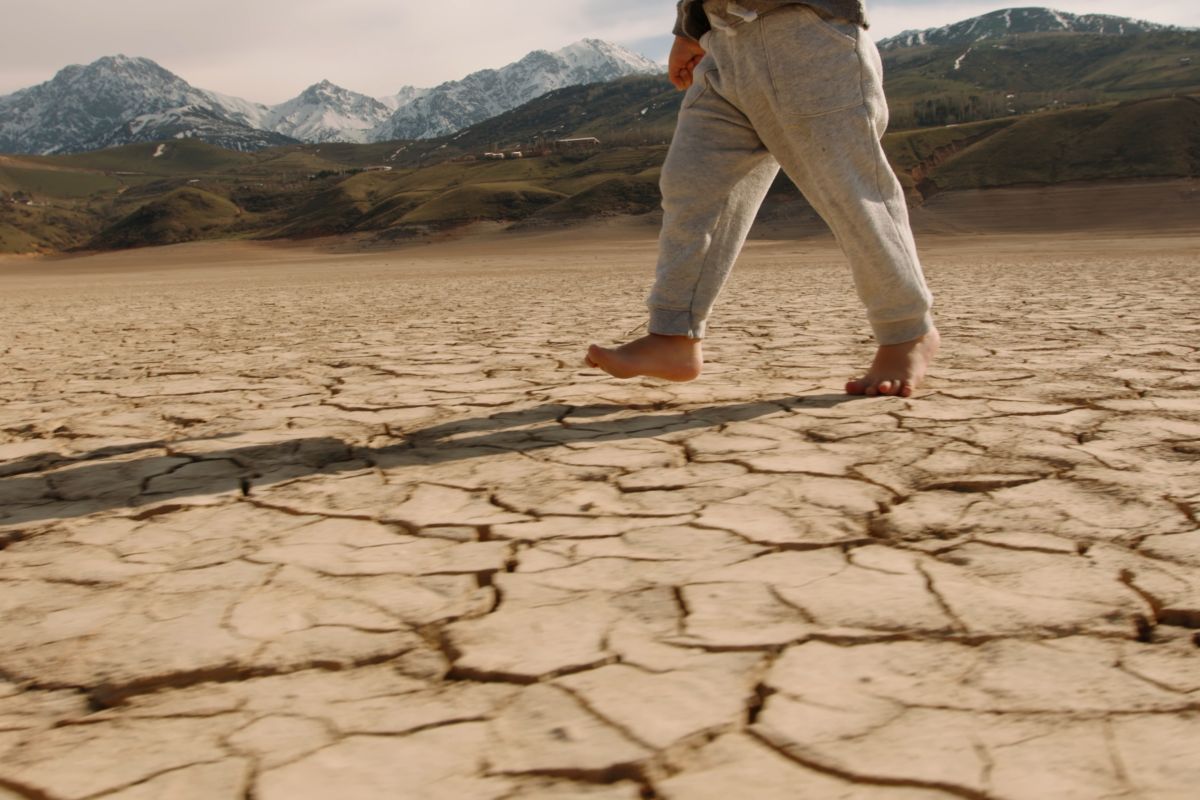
pixel 269 51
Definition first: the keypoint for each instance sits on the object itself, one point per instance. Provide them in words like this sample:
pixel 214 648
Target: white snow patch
pixel 1059 18
pixel 162 148
pixel 958 61
pixel 244 111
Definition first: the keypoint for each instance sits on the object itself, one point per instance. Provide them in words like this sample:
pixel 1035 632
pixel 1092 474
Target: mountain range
pixel 963 71
pixel 453 106
pixel 1012 98
pixel 122 100
pixel 1019 21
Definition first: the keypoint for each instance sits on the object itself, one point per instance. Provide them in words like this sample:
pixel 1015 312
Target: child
pixel 775 83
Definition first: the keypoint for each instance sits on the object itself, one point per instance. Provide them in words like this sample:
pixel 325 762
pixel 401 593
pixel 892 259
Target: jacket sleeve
pixel 690 20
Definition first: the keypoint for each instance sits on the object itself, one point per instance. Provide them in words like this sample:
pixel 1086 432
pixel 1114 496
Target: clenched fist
pixel 685 55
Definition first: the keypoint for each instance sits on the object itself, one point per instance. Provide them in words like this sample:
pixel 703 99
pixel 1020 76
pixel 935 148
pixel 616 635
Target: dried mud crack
pixel 388 541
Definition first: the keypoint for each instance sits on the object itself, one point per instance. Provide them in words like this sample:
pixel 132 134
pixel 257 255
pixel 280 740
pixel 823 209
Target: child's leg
pixel 837 161
pixel 713 181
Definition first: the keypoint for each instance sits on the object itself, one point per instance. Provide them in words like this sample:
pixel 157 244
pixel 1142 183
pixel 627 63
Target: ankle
pixel 678 343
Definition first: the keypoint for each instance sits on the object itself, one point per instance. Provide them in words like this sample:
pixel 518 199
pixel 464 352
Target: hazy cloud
pixel 270 50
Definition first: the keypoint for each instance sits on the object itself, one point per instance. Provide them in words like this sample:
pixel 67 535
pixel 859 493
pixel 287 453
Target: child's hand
pixel 685 55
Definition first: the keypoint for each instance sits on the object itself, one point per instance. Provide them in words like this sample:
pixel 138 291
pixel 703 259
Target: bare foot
pixel 898 369
pixel 672 358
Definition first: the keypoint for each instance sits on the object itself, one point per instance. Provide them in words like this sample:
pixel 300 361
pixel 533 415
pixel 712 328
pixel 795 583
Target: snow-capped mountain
pixel 121 100
pixel 403 97
pixel 327 113
pixel 1012 21
pixel 87 107
pixel 193 122
pixel 454 105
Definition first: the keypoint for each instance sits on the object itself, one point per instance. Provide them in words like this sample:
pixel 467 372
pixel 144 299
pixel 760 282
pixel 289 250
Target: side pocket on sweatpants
pixel 699 82
pixel 814 67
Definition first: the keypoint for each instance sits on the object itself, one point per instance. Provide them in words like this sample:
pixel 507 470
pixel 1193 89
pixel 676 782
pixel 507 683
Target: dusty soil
pixel 281 523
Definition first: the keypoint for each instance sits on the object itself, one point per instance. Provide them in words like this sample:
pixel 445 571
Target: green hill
pixel 179 157
pixel 453 192
pixel 482 201
pixel 52 181
pixel 935 85
pixel 917 154
pixel 634 110
pixel 339 206
pixel 1142 139
pixel 40 229
pixel 611 197
pixel 183 215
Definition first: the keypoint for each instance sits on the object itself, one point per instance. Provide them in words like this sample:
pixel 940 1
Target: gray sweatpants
pixel 788 88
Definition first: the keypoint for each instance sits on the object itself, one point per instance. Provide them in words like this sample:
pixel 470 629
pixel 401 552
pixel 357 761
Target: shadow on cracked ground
pixel 67 486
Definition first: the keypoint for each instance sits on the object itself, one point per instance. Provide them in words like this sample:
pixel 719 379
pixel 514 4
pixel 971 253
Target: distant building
pixel 582 144
pixel 516 154
pixel 494 156
pixel 1185 61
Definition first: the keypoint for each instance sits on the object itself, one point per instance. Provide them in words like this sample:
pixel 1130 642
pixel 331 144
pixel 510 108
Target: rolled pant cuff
pixel 903 330
pixel 672 322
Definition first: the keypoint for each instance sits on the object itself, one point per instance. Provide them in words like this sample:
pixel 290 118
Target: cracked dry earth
pixel 281 524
